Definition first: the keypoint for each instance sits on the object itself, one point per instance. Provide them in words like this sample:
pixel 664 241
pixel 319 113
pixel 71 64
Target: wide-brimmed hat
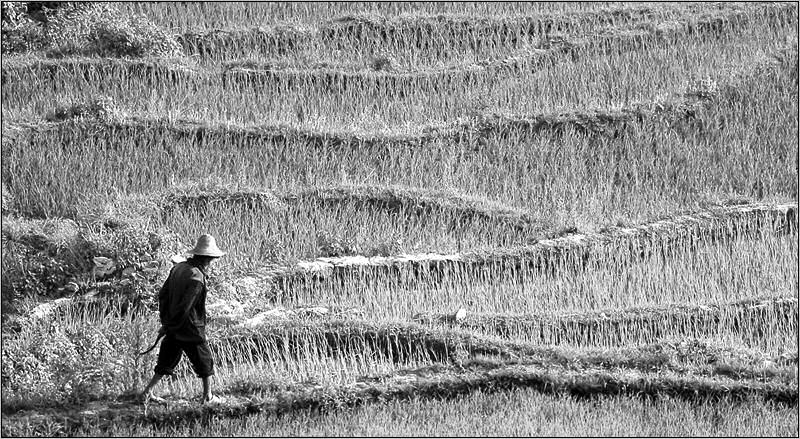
pixel 206 246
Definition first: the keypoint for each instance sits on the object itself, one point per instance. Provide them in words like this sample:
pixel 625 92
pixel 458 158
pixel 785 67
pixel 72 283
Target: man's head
pixel 205 250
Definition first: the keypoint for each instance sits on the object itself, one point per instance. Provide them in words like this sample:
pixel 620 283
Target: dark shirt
pixel 182 303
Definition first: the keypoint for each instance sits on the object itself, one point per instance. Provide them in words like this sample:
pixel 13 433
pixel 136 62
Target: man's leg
pixel 169 354
pixel 200 357
pixel 147 393
pixel 207 388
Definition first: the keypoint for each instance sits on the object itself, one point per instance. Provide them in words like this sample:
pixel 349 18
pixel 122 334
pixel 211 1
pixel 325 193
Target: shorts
pixel 170 355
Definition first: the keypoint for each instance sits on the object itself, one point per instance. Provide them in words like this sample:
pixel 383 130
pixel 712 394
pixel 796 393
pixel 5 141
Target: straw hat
pixel 206 246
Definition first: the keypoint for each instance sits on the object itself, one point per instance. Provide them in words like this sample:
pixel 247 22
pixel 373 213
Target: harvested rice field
pixel 472 219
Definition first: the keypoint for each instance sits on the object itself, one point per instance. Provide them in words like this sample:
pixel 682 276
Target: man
pixel 182 309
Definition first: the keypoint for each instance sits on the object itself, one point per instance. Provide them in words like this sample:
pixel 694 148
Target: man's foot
pixel 211 400
pixel 148 397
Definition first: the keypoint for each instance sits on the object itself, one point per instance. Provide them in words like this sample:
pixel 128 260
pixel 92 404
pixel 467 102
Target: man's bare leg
pixel 147 393
pixel 207 395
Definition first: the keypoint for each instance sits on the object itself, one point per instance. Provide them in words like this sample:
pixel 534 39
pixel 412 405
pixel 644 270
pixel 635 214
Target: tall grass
pixel 691 274
pixel 411 38
pixel 749 319
pixel 676 109
pixel 630 77
pixel 570 178
pixel 351 219
pixel 183 17
pixel 571 250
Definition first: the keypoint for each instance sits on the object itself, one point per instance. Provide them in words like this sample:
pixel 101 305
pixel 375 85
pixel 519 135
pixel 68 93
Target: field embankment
pixel 751 318
pixel 612 122
pixel 56 70
pixel 443 34
pixel 254 74
pixel 572 250
pixel 432 382
pixel 250 73
pixel 269 339
pixel 395 199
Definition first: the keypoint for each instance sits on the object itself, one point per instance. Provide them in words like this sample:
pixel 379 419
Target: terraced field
pixel 441 218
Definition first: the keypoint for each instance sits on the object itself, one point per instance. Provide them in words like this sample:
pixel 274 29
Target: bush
pixel 20 32
pixel 100 29
pixel 40 258
pixel 335 245
pixel 84 28
pixel 7 200
pixel 132 38
pixel 60 365
pixel 102 108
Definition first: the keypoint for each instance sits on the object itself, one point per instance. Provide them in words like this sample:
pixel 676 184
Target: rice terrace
pixel 470 219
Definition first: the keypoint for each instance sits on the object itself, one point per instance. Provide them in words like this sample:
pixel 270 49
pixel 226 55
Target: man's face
pixel 210 262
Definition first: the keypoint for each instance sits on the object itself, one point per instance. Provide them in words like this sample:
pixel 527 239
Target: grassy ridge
pixel 612 122
pixel 48 70
pixel 347 219
pixel 403 342
pixel 183 17
pixel 338 77
pixel 750 317
pixel 427 31
pixel 504 414
pixel 573 250
pixel 609 122
pixel 396 199
pixel 440 32
pixel 443 35
pixel 527 60
pixel 433 382
pixel 296 336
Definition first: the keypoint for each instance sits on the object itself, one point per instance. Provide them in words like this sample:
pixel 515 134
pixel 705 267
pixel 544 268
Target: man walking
pixel 182 309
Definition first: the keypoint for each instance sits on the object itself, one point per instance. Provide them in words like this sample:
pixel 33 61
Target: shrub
pixel 387 247
pixel 102 108
pixel 41 258
pixel 20 32
pixel 134 38
pixel 60 364
pixel 7 205
pixel 335 245
pixel 84 28
pixel 702 88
